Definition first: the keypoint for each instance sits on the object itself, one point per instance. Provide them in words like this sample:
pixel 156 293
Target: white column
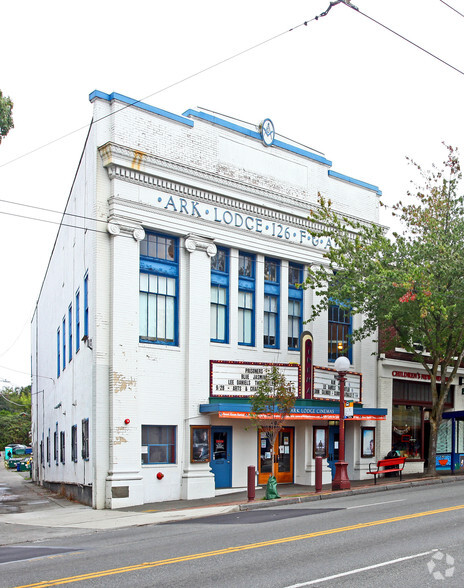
pixel 197 478
pixel 124 485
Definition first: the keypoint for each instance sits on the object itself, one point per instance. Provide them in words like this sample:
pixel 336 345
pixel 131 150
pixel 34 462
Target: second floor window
pixel 70 332
pixel 271 302
pixel 246 298
pixel 339 332
pixel 159 272
pixel 219 296
pixel 295 305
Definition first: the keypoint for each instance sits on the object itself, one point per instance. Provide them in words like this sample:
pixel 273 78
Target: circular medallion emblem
pixel 267 132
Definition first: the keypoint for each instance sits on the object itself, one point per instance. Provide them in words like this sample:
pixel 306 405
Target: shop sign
pixel 234 414
pixel 327 386
pixel 413 376
pixel 229 378
pixel 225 217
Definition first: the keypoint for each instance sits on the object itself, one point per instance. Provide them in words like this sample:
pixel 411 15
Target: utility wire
pixel 189 77
pixel 406 39
pixel 227 59
pixel 452 8
pixel 4 398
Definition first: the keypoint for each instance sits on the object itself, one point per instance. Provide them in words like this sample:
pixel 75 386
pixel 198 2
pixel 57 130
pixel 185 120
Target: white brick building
pixel 170 288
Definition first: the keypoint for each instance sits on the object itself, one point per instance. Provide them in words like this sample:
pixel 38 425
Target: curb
pixel 362 490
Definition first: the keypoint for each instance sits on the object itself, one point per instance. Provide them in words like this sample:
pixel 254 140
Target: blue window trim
pixel 221 279
pixel 86 305
pixel 58 353
pixel 247 284
pixel 295 293
pixel 168 268
pixel 70 334
pixel 78 321
pixel 272 288
pixel 349 352
pixel 63 342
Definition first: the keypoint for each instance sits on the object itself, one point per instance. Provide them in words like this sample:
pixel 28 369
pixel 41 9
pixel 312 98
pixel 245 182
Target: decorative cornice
pixel 132 173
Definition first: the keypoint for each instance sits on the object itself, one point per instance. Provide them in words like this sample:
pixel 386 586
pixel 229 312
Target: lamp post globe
pixel 341 480
pixel 342 364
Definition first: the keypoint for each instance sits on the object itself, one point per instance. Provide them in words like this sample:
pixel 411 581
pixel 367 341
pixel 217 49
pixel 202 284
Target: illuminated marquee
pixel 327 387
pixel 231 378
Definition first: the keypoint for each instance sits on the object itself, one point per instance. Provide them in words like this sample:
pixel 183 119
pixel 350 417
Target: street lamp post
pixel 341 480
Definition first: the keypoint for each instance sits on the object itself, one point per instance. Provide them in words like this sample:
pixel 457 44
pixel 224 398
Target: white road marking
pixel 357 571
pixel 376 503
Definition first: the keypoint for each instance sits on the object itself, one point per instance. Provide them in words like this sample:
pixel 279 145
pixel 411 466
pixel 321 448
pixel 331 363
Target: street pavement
pixel 32 513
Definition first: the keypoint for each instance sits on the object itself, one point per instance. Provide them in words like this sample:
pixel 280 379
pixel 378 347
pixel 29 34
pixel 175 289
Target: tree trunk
pixel 432 457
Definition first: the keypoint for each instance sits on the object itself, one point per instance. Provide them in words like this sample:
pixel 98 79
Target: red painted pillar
pixel 318 474
pixel 251 483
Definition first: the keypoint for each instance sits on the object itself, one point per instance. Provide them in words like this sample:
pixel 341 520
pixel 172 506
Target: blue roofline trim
pixel 335 174
pixel 255 135
pixel 160 112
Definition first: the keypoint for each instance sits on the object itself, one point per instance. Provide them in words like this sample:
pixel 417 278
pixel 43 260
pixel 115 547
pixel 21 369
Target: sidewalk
pixel 39 514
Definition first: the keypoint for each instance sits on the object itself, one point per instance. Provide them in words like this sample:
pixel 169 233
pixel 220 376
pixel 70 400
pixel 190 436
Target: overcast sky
pixel 342 85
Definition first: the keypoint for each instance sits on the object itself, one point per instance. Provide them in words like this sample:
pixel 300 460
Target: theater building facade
pixel 172 288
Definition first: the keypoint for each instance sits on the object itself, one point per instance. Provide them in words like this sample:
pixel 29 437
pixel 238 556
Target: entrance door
pixel 221 456
pixel 333 447
pixel 283 457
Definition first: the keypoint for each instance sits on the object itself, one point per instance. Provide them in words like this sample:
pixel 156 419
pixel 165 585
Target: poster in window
pixel 200 443
pixel 320 442
pixel 367 442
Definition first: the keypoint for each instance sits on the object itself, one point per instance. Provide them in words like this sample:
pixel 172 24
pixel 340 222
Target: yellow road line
pixel 238 548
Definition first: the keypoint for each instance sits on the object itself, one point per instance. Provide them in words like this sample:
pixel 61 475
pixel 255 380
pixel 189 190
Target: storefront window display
pixel 460 436
pixel 444 438
pixel 407 431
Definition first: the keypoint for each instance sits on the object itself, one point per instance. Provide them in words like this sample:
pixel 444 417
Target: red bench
pixel 394 464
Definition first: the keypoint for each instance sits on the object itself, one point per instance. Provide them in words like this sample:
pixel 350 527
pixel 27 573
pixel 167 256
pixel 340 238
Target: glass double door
pixel 283 457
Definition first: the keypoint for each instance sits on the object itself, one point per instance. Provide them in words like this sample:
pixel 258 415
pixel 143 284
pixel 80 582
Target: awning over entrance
pixel 299 413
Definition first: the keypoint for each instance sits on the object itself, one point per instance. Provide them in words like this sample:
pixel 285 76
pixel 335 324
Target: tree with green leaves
pixel 15 416
pixel 270 406
pixel 6 115
pixel 408 287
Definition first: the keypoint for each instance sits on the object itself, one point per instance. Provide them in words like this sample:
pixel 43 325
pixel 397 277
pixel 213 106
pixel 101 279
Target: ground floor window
pixel 407 431
pixel 158 444
pixel 412 402
pixel 62 447
pixel 85 439
pixel 74 443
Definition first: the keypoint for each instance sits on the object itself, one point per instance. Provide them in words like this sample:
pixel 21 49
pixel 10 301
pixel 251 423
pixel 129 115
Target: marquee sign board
pixel 231 379
pixel 327 386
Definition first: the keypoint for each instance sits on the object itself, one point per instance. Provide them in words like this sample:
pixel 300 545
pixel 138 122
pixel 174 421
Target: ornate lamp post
pixel 341 480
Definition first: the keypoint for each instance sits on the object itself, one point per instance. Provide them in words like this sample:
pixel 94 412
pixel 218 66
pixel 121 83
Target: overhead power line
pixel 452 8
pixel 405 38
pixel 181 81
